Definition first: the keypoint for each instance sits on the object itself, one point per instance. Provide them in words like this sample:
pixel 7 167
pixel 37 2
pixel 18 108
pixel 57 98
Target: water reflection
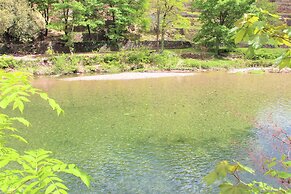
pixel 273 129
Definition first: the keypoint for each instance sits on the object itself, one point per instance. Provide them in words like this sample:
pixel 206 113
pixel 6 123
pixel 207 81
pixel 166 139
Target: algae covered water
pixel 158 135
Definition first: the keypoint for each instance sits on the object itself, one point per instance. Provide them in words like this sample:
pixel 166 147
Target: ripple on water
pixel 155 135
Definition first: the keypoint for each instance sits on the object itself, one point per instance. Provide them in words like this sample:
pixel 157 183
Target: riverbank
pixel 177 60
pixel 128 76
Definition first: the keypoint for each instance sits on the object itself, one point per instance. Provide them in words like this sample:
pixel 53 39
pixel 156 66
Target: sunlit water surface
pixel 157 135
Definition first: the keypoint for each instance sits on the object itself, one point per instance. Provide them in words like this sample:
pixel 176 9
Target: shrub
pixel 19 21
pixel 49 51
pixel 115 66
pixel 9 62
pixel 166 60
pixel 139 57
pixel 111 57
pixel 66 64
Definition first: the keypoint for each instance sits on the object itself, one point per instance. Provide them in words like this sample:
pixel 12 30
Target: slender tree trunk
pixel 158 27
pixel 46 20
pixel 89 31
pixel 164 25
pixel 217 47
pixel 114 42
pixel 66 17
pixel 163 40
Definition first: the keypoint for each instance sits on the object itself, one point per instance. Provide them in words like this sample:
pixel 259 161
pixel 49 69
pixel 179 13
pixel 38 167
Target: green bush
pixel 260 63
pixel 20 21
pixel 115 66
pixel 111 57
pixel 139 57
pixel 66 64
pixel 125 61
pixel 89 61
pixel 9 62
pixel 166 60
pixel 263 53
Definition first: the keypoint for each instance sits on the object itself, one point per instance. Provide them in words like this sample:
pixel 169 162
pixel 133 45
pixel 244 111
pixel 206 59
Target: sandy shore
pixel 128 76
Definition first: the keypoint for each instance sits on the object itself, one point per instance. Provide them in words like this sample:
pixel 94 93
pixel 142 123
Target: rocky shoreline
pixel 262 69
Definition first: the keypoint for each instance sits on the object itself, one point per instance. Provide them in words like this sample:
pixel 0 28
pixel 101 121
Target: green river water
pixel 157 135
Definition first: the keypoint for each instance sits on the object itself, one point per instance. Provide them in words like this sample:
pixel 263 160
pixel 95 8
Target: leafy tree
pixel 44 6
pixel 19 22
pixel 33 171
pixel 88 9
pixel 218 18
pixel 121 15
pixel 168 14
pixel 93 15
pixel 72 15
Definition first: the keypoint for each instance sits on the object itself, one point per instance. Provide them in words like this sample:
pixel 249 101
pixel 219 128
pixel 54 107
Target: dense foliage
pixel 218 18
pixel 259 29
pixel 121 16
pixel 19 22
pixel 168 14
pixel 33 171
pixel 114 18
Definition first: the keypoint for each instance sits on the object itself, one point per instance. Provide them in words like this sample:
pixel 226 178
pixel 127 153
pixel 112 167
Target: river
pixel 159 135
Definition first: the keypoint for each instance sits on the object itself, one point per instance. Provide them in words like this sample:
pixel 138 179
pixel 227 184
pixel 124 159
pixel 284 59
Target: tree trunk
pixel 46 20
pixel 66 17
pixel 217 47
pixel 164 26
pixel 158 27
pixel 89 31
pixel 163 40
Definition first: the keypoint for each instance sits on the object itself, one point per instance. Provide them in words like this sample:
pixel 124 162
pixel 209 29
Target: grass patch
pixel 139 61
pixel 263 53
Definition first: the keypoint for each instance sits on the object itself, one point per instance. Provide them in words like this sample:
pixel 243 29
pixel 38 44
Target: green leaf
pixel 29 188
pixel 211 178
pixel 272 164
pixel 18 104
pixel 44 96
pixel 50 189
pixel 284 175
pixel 61 185
pixel 287 164
pixel 5 102
pixel 228 188
pixel 19 138
pixel 220 172
pixel 85 178
pixel 239 36
pixel 4 162
pixel 223 168
pixel 245 168
pixel 22 120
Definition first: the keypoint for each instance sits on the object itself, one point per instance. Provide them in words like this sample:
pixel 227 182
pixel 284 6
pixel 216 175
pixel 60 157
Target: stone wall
pixel 284 9
pixel 82 47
